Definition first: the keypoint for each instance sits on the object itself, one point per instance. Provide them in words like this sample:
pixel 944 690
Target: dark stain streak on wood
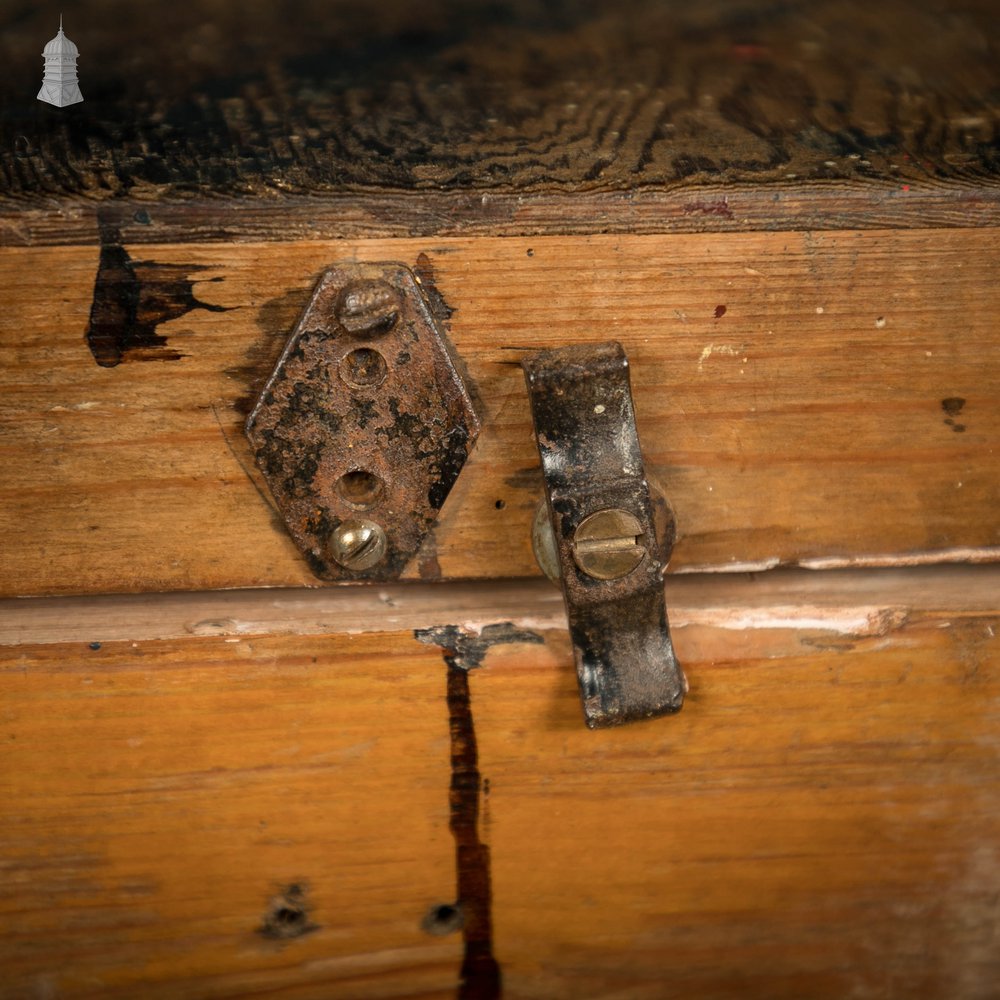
pixel 131 300
pixel 480 975
pixel 276 319
pixel 464 651
pixel 424 270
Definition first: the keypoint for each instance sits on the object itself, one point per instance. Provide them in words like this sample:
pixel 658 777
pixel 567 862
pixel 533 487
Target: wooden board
pixel 248 99
pixel 820 820
pixel 164 803
pixel 811 399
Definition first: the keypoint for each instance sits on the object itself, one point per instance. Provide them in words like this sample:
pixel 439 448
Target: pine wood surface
pixel 248 120
pixel 820 820
pixel 811 399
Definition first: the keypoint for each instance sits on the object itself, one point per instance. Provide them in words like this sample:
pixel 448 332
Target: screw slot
pixel 608 545
pixel 358 544
pixel 360 488
pixel 363 368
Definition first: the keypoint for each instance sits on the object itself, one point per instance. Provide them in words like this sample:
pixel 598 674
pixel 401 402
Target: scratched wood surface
pixel 237 816
pixel 811 399
pixel 255 120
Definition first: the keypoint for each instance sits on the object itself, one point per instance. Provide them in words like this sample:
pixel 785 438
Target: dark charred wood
pixel 509 101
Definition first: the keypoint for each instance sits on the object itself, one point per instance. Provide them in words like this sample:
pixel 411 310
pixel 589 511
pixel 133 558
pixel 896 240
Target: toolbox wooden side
pixel 246 813
pixel 813 399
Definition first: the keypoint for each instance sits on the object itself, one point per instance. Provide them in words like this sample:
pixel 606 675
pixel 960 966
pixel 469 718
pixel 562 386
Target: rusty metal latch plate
pixel 610 560
pixel 365 424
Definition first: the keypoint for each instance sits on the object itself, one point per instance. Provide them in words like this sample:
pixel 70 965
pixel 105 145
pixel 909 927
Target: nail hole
pixel 360 488
pixel 287 915
pixel 500 504
pixel 363 368
pixel 445 918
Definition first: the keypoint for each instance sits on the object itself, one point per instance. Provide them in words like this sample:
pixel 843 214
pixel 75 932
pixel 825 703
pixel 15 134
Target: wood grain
pixel 819 820
pixel 246 100
pixel 809 423
pixel 158 797
pixel 823 824
pixel 782 206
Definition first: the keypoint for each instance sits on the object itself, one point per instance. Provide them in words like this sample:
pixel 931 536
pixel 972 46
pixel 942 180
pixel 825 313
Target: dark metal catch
pixel 603 543
pixel 365 424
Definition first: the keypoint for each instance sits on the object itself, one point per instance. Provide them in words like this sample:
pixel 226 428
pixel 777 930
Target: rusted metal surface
pixel 610 559
pixel 365 424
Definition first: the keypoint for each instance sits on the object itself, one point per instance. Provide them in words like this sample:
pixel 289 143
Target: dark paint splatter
pixel 720 208
pixel 424 270
pixel 132 298
pixel 953 406
pixel 463 651
pixel 720 311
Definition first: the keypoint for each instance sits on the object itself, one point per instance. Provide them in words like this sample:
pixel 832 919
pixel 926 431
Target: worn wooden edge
pixel 850 601
pixel 360 214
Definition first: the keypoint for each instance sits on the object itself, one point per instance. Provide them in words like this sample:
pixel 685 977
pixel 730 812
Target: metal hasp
pixel 610 561
pixel 364 425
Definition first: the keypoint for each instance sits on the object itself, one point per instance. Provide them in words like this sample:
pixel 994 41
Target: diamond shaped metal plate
pixel 365 424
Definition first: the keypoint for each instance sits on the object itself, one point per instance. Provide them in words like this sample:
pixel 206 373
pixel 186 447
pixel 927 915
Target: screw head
pixel 606 544
pixel 358 544
pixel 368 308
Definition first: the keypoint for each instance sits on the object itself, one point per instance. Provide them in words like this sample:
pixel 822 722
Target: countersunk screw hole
pixel 363 368
pixel 360 488
pixel 445 918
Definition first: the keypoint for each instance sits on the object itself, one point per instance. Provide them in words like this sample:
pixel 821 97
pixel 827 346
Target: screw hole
pixel 500 504
pixel 287 915
pixel 360 488
pixel 363 368
pixel 445 918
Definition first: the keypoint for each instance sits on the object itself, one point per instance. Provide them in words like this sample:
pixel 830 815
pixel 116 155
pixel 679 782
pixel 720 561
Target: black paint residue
pixel 287 915
pixel 424 270
pixel 953 406
pixel 275 319
pixel 132 298
pixel 464 651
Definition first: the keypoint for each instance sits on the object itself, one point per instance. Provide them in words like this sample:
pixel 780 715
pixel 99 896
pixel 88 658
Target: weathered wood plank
pixel 251 100
pixel 165 802
pixel 781 206
pixel 823 824
pixel 803 398
pixel 818 821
